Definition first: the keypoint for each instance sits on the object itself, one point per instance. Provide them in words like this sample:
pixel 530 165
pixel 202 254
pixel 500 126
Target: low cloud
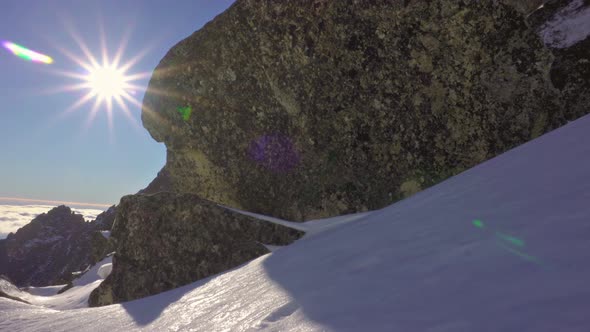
pixel 13 217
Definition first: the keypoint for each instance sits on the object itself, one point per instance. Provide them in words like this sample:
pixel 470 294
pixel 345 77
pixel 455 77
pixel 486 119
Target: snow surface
pixel 44 291
pixel 568 26
pixel 10 289
pixel 310 227
pixel 104 270
pixel 503 247
pixel 93 274
pixel 74 298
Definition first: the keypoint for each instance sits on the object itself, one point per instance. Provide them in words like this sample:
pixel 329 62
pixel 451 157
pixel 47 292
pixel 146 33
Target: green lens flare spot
pixel 520 254
pixel 511 239
pixel 185 112
pixel 478 223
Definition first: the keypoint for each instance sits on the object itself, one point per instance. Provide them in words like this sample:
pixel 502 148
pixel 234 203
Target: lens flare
pixel 506 241
pixel 185 112
pixel 27 54
pixel 275 152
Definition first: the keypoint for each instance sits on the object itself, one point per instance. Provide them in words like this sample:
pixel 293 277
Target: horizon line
pixel 31 200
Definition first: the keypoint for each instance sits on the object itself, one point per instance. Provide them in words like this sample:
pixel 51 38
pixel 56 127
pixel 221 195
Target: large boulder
pixel 307 109
pixel 167 240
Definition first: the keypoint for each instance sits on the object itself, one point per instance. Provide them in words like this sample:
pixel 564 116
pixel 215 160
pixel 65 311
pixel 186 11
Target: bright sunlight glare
pixel 107 82
pixel 104 81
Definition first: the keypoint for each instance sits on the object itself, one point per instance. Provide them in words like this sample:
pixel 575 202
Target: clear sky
pixel 50 154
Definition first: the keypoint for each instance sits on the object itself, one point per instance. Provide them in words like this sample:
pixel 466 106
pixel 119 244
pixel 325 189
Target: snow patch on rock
pixel 568 26
pixel 105 270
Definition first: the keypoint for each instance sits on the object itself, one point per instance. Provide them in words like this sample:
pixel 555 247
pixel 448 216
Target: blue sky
pixel 48 154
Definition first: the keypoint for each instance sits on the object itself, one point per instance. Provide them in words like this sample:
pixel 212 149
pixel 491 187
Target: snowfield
pixel 502 247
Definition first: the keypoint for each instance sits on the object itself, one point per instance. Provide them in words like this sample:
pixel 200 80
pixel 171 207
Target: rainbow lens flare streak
pixel 511 240
pixel 26 54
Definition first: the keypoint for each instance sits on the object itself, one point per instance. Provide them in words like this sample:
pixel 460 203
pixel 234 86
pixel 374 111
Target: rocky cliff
pixel 306 109
pixel 100 232
pixel 52 246
pixel 564 25
pixel 167 240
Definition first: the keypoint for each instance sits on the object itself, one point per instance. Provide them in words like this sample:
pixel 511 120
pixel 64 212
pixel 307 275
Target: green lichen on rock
pixel 307 109
pixel 167 240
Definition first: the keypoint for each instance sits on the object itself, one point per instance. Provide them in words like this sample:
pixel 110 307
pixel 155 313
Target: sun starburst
pixel 106 82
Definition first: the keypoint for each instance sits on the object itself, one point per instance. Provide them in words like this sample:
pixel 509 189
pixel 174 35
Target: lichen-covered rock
pixel 306 109
pixel 571 75
pixel 167 240
pixel 101 246
pixel 564 25
pixel 161 183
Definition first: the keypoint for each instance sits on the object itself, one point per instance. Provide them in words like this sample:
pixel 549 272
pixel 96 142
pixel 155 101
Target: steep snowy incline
pixel 504 247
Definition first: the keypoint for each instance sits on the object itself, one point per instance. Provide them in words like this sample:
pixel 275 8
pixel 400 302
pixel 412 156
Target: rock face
pixel 307 109
pixel 524 6
pixel 564 26
pixel 101 246
pixel 159 184
pixel 167 240
pixel 48 249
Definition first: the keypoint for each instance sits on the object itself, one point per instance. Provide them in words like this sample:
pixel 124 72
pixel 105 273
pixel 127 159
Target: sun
pixel 107 82
pixel 104 79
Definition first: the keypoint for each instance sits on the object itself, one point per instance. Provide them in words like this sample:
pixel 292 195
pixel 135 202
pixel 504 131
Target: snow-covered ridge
pixel 310 227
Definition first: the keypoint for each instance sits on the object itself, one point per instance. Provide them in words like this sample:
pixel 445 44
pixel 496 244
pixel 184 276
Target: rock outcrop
pixel 101 246
pixel 564 26
pixel 307 109
pixel 167 240
pixel 48 249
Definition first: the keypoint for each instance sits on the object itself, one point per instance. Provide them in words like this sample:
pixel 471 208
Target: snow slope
pixel 75 297
pixel 503 247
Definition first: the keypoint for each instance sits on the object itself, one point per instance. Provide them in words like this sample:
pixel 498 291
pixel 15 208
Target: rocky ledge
pixel 167 240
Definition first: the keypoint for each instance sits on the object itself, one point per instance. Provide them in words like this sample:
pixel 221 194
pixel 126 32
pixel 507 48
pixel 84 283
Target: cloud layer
pixel 13 217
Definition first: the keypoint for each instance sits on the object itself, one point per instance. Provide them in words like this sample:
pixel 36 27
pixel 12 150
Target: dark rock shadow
pixel 146 310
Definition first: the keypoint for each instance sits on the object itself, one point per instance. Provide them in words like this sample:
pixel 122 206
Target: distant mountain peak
pixel 54 244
